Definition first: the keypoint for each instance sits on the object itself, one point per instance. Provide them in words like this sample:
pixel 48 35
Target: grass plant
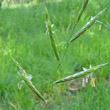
pixel 22 35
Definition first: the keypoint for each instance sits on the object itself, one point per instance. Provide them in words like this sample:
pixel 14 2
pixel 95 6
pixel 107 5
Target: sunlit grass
pixel 22 35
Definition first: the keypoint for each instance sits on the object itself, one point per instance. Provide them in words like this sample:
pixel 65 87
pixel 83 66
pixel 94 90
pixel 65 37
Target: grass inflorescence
pixel 22 35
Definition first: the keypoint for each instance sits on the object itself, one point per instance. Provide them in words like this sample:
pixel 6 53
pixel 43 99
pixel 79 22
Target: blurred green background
pixel 23 36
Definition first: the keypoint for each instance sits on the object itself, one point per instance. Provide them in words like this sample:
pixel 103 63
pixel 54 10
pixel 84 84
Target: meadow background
pixel 23 36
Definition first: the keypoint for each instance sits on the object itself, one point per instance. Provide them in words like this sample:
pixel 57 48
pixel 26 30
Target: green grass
pixel 22 35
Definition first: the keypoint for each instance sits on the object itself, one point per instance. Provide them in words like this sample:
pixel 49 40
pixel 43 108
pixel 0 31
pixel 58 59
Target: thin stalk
pixel 13 106
pixel 79 15
pixel 81 12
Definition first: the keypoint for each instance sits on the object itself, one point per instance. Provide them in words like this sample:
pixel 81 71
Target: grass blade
pixel 80 74
pixel 24 75
pixel 81 12
pixel 86 26
pixel 12 105
pixel 79 15
pixel 50 33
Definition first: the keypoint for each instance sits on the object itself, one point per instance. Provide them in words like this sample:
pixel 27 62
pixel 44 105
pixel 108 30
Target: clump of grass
pixel 24 75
